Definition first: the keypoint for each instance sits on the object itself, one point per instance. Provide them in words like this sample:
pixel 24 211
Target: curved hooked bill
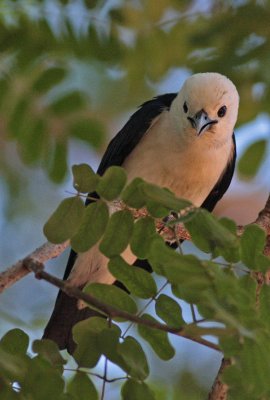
pixel 201 122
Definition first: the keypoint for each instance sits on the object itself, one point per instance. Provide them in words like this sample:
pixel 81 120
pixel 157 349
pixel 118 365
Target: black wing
pixel 66 313
pixel 130 135
pixel 223 183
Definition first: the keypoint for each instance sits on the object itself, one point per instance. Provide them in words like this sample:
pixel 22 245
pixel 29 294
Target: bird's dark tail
pixel 65 315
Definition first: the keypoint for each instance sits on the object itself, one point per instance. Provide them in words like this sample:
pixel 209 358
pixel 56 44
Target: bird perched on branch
pixel 184 142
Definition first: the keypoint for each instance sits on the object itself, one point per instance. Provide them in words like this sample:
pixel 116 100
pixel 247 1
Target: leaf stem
pixel 104 379
pixel 120 378
pixel 145 307
pixel 193 313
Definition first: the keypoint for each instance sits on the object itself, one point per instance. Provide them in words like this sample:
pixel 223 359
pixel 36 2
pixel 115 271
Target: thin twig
pixel 193 314
pixel 120 378
pixel 104 379
pixel 146 306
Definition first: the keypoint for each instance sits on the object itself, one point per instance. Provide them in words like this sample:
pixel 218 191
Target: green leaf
pixel 252 158
pixel 157 246
pixel 163 197
pixel 44 382
pixel 230 345
pixel 112 183
pixel 252 244
pixel 65 220
pixel 185 270
pixel 48 79
pixel 170 311
pixel 250 361
pixel 4 88
pixel 163 256
pixel 15 342
pixel 7 393
pixel 229 224
pixel 89 130
pixel 132 195
pixel 90 3
pixel 82 388
pixel 133 390
pixel 264 299
pixel 190 295
pixel 108 341
pixel 68 103
pixel 211 236
pixel 84 178
pixel 16 123
pixel 157 339
pixel 137 281
pixel 35 142
pixel 117 234
pixel 134 357
pixel 156 210
pixel 85 334
pixel 113 296
pixel 92 227
pixel 58 166
pixel 13 366
pixel 49 351
pixel 143 232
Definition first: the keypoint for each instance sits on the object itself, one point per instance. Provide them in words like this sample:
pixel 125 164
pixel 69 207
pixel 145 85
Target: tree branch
pixel 42 254
pixel 48 250
pixel 219 389
pixel 108 310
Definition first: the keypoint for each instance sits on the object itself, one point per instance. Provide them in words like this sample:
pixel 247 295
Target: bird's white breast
pixel 189 169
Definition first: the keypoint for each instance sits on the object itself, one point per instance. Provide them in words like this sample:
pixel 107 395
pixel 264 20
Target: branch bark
pixel 18 271
pixel 219 389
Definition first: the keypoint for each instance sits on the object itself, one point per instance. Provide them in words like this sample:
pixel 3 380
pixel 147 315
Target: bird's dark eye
pixel 185 107
pixel 222 111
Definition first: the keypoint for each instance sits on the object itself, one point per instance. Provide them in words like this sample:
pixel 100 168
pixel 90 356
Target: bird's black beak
pixel 201 122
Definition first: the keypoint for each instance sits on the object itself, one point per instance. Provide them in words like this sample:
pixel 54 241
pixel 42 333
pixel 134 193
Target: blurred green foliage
pixel 66 67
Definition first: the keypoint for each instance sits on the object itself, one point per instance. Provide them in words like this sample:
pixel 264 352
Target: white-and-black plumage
pixel 184 142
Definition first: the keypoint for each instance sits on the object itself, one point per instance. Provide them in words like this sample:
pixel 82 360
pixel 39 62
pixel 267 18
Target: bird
pixel 182 141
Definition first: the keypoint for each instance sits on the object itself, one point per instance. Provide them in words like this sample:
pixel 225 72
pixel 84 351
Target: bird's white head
pixel 206 106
